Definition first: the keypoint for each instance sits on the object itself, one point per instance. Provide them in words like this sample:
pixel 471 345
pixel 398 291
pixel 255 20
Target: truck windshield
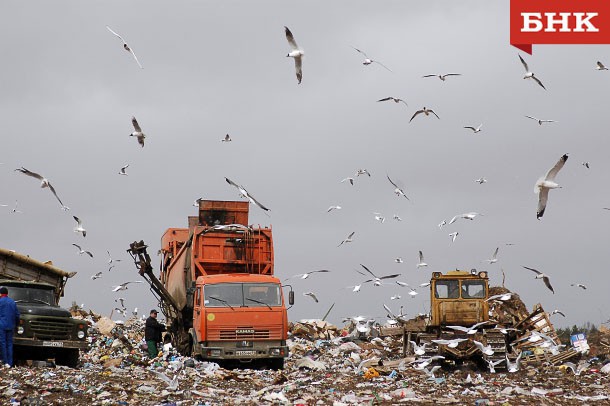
pixel 473 289
pixel 22 294
pixel 446 289
pixel 242 295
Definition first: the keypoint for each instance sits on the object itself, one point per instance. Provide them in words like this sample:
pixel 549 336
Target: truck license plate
pixel 52 343
pixel 245 352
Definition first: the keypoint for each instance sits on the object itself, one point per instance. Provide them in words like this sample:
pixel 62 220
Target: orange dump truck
pixel 216 287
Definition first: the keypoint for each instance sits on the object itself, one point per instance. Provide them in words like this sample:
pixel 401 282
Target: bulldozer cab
pixel 459 298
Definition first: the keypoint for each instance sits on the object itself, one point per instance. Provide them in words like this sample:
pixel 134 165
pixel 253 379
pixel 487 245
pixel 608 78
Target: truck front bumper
pixel 231 350
pixel 29 342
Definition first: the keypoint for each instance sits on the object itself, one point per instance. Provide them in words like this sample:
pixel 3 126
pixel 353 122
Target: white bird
pixel 481 180
pixel 122 172
pixel 453 343
pixel 123 286
pixel 557 312
pixel 577 369
pixel 543 185
pixel 121 300
pixel 121 311
pixel 367 61
pixel 421 364
pixel 540 275
pixel 15 208
pixel 600 66
pixel 424 285
pixel 347 239
pixel 529 74
pixel 396 217
pixel 394 99
pixel 397 190
pixel 227 138
pixel 110 260
pixel 350 180
pixel 126 47
pixel 421 260
pixel 540 121
pixel 331 208
pixel 426 111
pixel 492 365
pixel 79 227
pixel 135 311
pixel 418 349
pixel 430 372
pixel 363 172
pixel 137 132
pixel 398 260
pixel 395 297
pixel 355 288
pixel 245 194
pixel 513 367
pixel 306 274
pixel 475 129
pixel 44 183
pixel 501 297
pixel 379 217
pixel 453 235
pixel 172 384
pixel 469 330
pixel 485 349
pixel 442 224
pixel 467 216
pixel 441 77
pixel 198 201
pixel 296 53
pixel 311 295
pixel 586 165
pixel 82 251
pixel 494 258
pixel 413 293
pixel 97 276
pixel 580 285
pixel 377 280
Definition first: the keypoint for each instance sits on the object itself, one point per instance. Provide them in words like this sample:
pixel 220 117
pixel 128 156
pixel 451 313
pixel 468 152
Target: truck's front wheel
pixel 276 363
pixel 68 357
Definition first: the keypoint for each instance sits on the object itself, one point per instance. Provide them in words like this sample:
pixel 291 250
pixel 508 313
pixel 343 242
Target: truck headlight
pixel 80 334
pixel 20 330
pixel 275 351
pixel 214 353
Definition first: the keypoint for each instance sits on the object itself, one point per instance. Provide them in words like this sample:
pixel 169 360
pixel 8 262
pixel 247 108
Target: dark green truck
pixel 45 331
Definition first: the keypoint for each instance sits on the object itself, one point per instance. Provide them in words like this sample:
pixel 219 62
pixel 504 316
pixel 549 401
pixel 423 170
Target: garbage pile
pixel 351 365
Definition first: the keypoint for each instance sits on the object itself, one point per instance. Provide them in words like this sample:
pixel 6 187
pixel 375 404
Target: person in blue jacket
pixel 9 318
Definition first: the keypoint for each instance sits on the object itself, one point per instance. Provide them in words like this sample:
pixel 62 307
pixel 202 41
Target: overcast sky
pixel 69 89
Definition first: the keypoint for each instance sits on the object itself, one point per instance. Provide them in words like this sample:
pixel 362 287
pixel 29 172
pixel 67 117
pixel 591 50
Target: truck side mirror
pixel 291 297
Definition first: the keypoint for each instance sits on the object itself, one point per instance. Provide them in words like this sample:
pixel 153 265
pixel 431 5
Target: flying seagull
pixel 540 275
pixel 368 61
pixel 126 47
pixel 475 129
pixel 377 280
pixel 347 239
pixel 543 185
pixel 82 251
pixel 494 258
pixel 481 180
pixel 245 194
pixel 296 53
pixel 600 66
pixel 540 121
pixel 556 311
pixel 379 217
pixel 110 260
pixel 122 172
pixel 586 165
pixel 137 132
pixel 394 99
pixel 363 172
pixel 421 260
pixel 453 235
pixel 44 183
pixel 306 274
pixel 96 276
pixel 350 180
pixel 529 74
pixel 485 349
pixel 468 330
pixel 501 297
pixel 579 285
pixel 79 227
pixel 426 111
pixel 468 216
pixel 311 295
pixel 397 190
pixel 331 208
pixel 15 208
pixel 227 138
pixel 123 286
pixel 441 77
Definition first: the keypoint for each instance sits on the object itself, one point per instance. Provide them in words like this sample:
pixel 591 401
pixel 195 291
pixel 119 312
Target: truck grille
pixel 51 329
pixel 244 333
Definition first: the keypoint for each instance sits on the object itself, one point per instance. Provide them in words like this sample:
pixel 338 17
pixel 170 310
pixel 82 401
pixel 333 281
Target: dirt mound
pixel 508 312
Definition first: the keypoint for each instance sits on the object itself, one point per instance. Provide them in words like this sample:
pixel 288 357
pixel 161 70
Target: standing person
pixel 152 333
pixel 9 317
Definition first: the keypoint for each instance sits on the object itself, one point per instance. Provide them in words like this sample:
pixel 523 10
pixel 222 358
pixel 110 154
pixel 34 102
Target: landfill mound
pixel 507 312
pixel 326 365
